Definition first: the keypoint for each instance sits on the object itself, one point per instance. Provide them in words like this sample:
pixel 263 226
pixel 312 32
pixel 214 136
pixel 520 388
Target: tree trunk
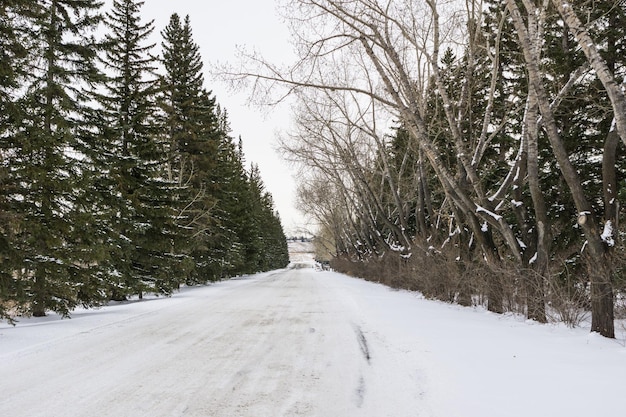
pixel 494 290
pixel 464 289
pixel 600 277
pixel 602 318
pixel 38 307
pixel 610 185
pixel 535 283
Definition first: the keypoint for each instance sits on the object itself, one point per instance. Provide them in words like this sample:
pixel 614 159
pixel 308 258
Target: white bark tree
pixel 599 269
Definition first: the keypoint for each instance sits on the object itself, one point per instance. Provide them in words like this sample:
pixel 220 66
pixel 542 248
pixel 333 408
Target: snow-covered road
pixel 286 344
pixel 302 343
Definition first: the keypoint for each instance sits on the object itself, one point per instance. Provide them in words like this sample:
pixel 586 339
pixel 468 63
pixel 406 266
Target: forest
pixel 472 150
pixel 119 174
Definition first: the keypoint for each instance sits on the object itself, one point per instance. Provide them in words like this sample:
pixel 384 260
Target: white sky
pixel 218 28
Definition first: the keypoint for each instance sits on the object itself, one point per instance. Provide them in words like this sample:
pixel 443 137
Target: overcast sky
pixel 218 28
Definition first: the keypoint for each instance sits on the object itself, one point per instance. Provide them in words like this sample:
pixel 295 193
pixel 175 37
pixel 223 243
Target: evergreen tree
pixel 15 38
pixel 200 151
pixel 274 251
pixel 278 250
pixel 129 161
pixel 253 226
pixel 231 206
pixel 192 133
pixel 182 97
pixel 50 262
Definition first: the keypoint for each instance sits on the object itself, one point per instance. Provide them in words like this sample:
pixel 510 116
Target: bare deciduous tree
pixel 427 65
pixel 599 270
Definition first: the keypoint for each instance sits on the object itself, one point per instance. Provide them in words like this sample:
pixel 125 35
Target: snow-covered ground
pixel 301 342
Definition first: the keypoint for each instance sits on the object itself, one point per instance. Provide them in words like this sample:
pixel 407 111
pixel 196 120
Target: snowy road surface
pixel 303 343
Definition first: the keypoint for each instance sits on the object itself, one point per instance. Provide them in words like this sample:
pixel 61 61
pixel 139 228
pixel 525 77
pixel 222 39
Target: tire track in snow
pixel 362 343
pixel 364 347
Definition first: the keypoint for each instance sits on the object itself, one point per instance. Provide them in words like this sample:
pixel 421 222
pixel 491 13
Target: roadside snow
pixel 304 343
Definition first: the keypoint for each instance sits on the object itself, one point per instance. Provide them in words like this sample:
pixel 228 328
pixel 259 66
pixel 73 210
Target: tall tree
pixel 191 129
pixel 46 164
pixel 253 231
pixel 196 217
pixel 599 269
pixel 129 160
pixel 232 207
pixel 267 249
pixel 15 40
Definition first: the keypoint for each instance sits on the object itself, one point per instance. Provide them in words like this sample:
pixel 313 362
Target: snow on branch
pixel 495 216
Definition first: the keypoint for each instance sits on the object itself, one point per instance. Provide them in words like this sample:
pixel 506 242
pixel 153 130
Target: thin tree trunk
pixel 535 290
pixel 609 182
pixel 38 307
pixel 464 289
pixel 536 309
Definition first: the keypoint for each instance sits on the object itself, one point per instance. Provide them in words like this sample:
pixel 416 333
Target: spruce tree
pixel 266 244
pixel 15 38
pixel 251 227
pixel 201 155
pixel 50 262
pixel 129 158
pixel 277 251
pixel 191 128
pixel 231 207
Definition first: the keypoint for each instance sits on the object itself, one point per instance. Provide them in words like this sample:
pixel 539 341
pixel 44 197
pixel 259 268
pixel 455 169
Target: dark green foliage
pixel 191 132
pixel 232 208
pixel 129 162
pixel 219 204
pixel 268 246
pixel 115 182
pixel 40 147
pixel 14 42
